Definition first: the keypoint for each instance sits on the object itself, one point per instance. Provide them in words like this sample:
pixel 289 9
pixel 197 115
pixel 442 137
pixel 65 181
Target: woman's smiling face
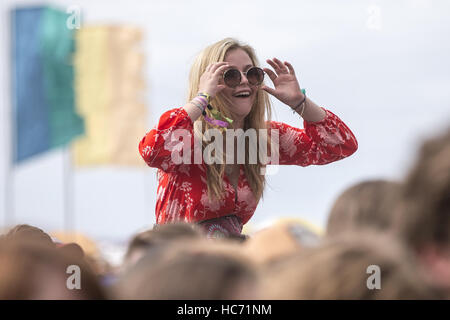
pixel 240 106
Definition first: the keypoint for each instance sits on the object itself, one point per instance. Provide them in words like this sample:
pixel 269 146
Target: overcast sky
pixel 381 66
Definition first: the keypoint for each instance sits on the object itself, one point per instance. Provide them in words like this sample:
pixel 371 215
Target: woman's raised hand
pixel 210 79
pixel 287 89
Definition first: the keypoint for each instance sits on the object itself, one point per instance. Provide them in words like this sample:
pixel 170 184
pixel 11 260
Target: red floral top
pixel 182 190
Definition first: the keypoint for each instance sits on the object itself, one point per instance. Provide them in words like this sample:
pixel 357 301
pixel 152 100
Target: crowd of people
pixel 384 240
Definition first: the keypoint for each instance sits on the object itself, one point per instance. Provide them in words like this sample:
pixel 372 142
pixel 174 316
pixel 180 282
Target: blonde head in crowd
pixel 342 266
pixel 256 119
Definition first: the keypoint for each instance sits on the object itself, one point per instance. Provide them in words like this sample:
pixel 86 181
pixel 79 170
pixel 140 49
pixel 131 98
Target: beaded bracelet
pixel 301 103
pixel 304 107
pixel 198 104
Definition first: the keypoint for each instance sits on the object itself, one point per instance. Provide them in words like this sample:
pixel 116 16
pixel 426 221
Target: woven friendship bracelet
pixel 202 98
pixel 204 94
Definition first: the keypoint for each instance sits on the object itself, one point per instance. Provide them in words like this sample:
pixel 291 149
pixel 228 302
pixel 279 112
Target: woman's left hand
pixel 287 89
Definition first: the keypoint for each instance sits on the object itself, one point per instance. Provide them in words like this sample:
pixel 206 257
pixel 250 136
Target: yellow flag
pixel 109 94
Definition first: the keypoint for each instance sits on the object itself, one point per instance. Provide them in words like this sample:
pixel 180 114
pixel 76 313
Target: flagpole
pixel 68 189
pixel 9 184
pixel 9 196
pixel 9 126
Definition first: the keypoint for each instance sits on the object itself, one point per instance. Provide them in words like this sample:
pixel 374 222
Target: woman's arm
pixel 310 112
pixel 157 145
pixel 209 83
pixel 193 111
pixel 325 138
pixel 319 143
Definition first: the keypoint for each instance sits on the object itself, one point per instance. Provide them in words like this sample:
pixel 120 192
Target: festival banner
pixel 109 93
pixel 42 74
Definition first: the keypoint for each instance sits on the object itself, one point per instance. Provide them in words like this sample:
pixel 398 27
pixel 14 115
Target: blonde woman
pixel 226 91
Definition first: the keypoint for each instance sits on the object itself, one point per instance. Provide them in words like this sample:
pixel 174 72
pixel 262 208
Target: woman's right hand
pixel 210 79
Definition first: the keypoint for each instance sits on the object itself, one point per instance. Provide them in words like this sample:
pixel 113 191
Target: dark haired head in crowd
pixel 32 234
pixel 36 270
pixel 154 240
pixel 369 204
pixel 29 233
pixel 423 212
pixel 201 269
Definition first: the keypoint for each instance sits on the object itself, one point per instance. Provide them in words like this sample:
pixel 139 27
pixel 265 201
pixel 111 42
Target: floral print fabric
pixel 182 189
pixel 223 227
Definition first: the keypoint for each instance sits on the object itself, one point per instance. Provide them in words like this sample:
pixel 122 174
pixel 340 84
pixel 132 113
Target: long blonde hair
pixel 256 119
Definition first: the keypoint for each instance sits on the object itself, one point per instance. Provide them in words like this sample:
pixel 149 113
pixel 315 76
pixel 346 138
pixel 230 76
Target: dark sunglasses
pixel 232 77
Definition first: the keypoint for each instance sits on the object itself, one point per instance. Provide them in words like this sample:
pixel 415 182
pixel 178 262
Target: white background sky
pixel 382 66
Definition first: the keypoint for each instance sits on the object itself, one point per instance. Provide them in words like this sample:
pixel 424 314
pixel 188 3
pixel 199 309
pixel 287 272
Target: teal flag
pixel 43 92
pixel 57 51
